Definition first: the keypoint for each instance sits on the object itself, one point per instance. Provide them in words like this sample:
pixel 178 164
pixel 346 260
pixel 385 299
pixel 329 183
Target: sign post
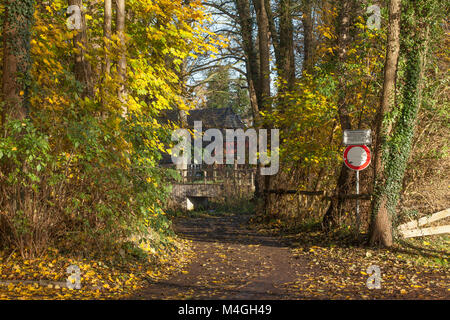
pixel 358 218
pixel 357 137
pixel 357 158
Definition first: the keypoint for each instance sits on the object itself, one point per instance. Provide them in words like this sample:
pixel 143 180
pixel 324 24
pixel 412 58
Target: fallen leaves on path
pixel 236 260
pixel 337 268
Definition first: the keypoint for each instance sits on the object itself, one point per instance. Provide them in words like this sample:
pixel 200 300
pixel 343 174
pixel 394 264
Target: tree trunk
pixel 82 67
pixel 286 63
pixel 265 103
pixel 283 41
pixel 274 35
pixel 106 66
pixel 308 37
pixel 16 58
pixel 381 224
pixel 107 31
pixel 344 180
pixel 252 72
pixel 122 65
pixel 264 53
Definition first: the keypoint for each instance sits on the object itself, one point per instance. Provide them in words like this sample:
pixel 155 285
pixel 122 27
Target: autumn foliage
pixel 78 173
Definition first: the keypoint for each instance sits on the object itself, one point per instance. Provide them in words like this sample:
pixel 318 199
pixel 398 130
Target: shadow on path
pixel 232 262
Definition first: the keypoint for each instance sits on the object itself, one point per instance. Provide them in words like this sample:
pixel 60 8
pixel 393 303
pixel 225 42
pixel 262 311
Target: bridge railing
pixel 222 175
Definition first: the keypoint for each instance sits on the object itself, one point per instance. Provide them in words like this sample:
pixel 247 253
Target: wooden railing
pixel 218 175
pixel 246 176
pixel 322 194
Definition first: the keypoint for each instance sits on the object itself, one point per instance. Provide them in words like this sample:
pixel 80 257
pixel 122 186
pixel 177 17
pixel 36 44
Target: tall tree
pixel 382 224
pixel 308 36
pixel 218 94
pixel 344 21
pixel 263 182
pixel 107 30
pixel 82 67
pixel 122 65
pixel 286 59
pixel 240 98
pixel 251 60
pixel 16 58
pixel 253 70
pixel 415 32
pixel 264 53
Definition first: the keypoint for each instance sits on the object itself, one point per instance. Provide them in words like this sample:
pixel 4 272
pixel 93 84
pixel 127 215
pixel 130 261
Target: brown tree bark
pixel 274 34
pixel 308 36
pixel 107 31
pixel 264 53
pixel 286 59
pixel 344 180
pixel 245 22
pixel 283 41
pixel 381 226
pixel 265 82
pixel 16 60
pixel 122 65
pixel 252 67
pixel 82 68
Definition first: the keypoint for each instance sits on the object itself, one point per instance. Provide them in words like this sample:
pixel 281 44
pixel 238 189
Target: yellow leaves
pixel 327 31
pixel 328 35
pixel 416 286
pixel 360 25
pixel 100 279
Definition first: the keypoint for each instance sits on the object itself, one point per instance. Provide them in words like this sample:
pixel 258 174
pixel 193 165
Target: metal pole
pixel 358 219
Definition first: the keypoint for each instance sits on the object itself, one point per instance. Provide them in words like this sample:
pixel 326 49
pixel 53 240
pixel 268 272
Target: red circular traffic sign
pixel 357 157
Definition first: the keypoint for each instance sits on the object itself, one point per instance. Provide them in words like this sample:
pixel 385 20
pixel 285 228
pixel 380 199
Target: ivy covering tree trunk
pixel 16 61
pixel 382 225
pixel 396 148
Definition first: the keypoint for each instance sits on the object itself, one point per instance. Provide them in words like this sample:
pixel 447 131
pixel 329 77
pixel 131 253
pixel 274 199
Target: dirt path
pixel 233 262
